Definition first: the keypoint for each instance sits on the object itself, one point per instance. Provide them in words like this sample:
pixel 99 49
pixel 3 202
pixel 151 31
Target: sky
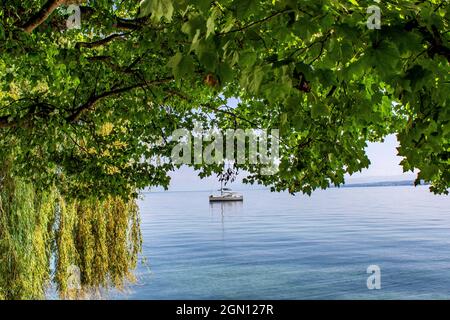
pixel 384 167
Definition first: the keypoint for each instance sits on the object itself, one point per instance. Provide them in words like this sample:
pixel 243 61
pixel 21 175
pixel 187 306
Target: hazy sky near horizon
pixel 384 166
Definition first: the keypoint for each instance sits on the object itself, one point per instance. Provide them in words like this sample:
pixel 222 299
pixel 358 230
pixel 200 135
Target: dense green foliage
pixel 86 112
pixel 95 101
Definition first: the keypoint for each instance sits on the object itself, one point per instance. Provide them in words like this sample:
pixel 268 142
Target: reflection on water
pixel 228 207
pixel 275 246
pixel 225 208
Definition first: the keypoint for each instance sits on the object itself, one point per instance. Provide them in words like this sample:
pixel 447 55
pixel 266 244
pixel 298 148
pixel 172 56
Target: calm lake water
pixel 278 246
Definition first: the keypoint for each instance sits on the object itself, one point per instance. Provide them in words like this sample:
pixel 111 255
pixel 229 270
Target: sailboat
pixel 226 194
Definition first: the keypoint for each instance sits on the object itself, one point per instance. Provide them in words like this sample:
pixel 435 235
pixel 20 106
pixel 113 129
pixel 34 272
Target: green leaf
pixel 247 59
pixel 157 8
pixel 145 8
pixel 319 109
pixel 225 73
pixel 193 25
pixel 245 8
pixel 181 65
pixel 211 22
pixel 203 5
pixel 207 54
pixel 255 79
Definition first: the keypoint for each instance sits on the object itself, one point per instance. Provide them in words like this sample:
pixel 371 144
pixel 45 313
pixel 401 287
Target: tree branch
pixel 101 41
pixel 42 15
pixel 256 22
pixel 75 116
pixel 433 38
pixel 76 113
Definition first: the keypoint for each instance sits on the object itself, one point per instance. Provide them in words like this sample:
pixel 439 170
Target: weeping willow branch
pixel 100 239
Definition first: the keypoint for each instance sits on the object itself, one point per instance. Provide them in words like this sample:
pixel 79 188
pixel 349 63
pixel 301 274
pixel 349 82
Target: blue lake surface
pixel 278 246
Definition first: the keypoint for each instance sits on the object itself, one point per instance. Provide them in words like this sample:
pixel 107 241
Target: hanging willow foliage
pixel 78 246
pixel 102 239
pixel 25 239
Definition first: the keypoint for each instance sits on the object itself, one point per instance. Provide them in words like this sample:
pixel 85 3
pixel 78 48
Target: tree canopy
pixel 86 112
pixel 88 107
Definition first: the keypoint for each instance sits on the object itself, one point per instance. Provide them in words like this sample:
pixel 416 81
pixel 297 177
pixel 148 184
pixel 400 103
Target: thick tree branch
pixel 76 113
pixel 42 15
pixel 256 22
pixel 75 116
pixel 433 38
pixel 128 24
pixel 101 41
pixel 87 14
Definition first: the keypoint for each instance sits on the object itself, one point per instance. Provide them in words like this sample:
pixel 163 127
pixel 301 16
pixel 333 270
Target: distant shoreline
pixel 382 184
pixel 400 183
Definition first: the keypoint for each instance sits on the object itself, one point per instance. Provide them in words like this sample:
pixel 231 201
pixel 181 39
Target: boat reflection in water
pixel 226 210
pixel 227 207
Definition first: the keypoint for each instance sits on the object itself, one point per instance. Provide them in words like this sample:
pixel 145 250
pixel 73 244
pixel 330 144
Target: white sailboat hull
pixel 226 198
